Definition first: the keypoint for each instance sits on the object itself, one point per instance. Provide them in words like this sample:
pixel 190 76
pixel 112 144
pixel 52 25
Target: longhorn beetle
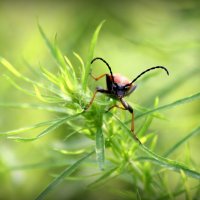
pixel 118 87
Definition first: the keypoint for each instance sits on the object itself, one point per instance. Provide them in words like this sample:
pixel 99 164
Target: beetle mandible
pixel 119 87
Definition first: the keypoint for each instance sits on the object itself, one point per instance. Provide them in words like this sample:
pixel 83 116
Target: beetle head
pixel 122 90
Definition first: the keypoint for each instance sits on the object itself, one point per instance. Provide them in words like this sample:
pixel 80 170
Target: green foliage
pixel 91 55
pixel 60 178
pixel 66 94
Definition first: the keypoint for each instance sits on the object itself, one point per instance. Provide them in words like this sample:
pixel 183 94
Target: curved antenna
pixel 98 58
pixel 152 68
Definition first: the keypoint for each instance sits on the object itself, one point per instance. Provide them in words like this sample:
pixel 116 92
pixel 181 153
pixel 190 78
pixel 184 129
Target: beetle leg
pixel 115 106
pixel 130 109
pixel 97 90
pixel 99 77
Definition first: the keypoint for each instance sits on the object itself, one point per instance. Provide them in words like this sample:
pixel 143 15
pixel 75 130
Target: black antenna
pixel 98 58
pixel 152 68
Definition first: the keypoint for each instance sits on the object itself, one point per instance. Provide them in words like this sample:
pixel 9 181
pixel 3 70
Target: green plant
pixel 66 94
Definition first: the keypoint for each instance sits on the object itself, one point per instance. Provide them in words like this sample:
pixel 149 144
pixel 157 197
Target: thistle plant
pixel 118 155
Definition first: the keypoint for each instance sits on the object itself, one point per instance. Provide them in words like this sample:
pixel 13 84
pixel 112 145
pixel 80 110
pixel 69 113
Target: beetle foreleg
pixel 99 77
pixel 97 90
pixel 115 106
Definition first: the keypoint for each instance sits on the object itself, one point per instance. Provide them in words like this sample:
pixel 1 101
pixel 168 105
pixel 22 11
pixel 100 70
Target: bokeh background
pixel 136 35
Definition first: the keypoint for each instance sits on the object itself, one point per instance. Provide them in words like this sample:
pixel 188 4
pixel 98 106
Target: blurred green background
pixel 136 35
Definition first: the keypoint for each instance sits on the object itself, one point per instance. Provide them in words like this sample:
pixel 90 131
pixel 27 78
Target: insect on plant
pixel 119 87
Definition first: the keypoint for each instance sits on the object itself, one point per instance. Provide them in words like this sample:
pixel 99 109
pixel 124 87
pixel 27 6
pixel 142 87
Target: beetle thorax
pixel 120 80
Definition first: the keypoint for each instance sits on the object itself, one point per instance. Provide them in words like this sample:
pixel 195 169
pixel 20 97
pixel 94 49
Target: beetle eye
pixel 114 85
pixel 126 87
